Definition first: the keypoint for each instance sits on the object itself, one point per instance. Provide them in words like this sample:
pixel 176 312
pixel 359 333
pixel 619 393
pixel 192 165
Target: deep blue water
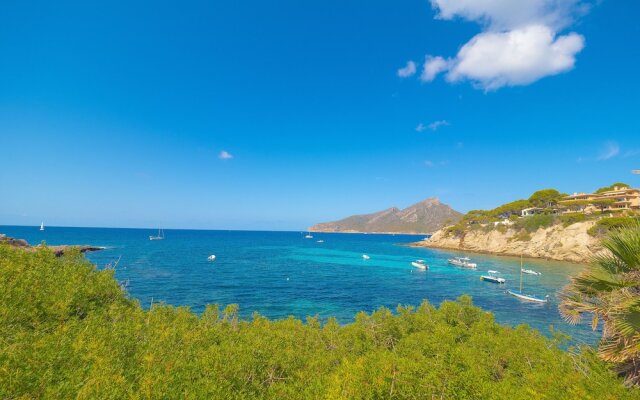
pixel 281 273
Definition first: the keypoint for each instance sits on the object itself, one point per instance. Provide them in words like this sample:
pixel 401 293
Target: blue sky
pixel 118 114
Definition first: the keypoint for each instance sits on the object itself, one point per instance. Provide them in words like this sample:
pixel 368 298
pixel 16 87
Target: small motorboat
pixel 365 257
pixel 492 277
pixel 530 272
pixel 420 264
pixel 211 258
pixel 464 262
pixel 320 241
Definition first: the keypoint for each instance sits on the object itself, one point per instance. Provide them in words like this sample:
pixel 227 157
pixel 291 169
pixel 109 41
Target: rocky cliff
pixel 571 243
pixel 424 217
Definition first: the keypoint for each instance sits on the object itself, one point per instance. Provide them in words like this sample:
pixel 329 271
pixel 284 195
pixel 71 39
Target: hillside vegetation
pixel 70 331
pixel 547 200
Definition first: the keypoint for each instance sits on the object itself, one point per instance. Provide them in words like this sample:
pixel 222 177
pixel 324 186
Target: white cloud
pixel 408 70
pixel 432 126
pixel 432 67
pixel 509 14
pixel 224 155
pixel 428 163
pixel 437 124
pixel 518 57
pixel 609 151
pixel 519 44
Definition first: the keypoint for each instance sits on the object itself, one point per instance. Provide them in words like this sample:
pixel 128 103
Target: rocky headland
pixel 571 243
pixel 58 250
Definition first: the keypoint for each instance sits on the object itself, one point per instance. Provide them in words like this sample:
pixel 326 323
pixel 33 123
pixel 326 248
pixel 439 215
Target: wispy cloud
pixel 225 155
pixel 432 164
pixel 519 43
pixel 609 151
pixel 408 70
pixel 632 153
pixel 437 124
pixel 432 126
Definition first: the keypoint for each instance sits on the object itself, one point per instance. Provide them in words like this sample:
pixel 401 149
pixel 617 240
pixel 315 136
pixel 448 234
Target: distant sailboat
pixel 159 236
pixel 526 297
pixel 41 226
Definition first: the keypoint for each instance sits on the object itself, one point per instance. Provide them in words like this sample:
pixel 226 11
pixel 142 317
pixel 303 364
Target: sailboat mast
pixel 520 273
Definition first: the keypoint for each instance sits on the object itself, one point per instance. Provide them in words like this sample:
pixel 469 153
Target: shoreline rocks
pixel 571 243
pixel 58 250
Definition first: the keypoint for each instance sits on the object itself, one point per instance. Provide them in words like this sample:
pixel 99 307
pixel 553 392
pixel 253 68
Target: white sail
pixel 42 226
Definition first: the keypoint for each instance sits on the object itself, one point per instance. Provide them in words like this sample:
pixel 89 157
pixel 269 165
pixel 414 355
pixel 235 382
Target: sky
pixel 277 115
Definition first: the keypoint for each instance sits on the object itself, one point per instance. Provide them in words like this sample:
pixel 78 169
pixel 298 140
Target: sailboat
pixel 41 226
pixel 526 297
pixel 159 236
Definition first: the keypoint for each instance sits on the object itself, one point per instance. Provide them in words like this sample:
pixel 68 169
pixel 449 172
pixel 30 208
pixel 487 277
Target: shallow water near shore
pixel 278 274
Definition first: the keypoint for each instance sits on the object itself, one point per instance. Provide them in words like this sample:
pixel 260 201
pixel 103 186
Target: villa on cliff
pixel 619 198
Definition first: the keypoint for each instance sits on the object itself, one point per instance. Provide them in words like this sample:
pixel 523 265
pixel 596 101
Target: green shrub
pixel 535 222
pixel 69 331
pixel 573 218
pixel 604 225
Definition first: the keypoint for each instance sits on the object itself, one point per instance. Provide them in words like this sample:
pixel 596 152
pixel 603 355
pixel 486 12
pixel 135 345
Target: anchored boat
pixel 492 277
pixel 523 296
pixel 159 236
pixel 420 264
pixel 464 262
pixel 530 272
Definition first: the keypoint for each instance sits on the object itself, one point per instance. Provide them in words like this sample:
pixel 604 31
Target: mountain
pixel 424 217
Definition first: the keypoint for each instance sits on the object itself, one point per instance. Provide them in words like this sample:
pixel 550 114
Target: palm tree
pixel 610 292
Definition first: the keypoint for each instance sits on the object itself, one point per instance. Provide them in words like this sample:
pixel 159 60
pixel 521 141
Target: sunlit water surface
pixel 278 274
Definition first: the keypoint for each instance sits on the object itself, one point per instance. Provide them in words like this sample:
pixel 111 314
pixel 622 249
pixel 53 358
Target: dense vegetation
pixel 548 201
pixel 70 331
pixel 609 293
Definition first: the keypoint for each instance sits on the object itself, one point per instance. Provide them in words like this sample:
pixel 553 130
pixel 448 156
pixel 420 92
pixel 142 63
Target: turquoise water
pixel 281 273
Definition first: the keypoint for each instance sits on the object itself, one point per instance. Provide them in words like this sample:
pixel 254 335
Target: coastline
pixel 572 243
pixel 374 233
pixel 58 250
pixel 497 254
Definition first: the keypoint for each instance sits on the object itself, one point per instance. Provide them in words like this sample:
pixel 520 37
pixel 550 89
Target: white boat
pixel 464 262
pixel 530 272
pixel 492 277
pixel 320 241
pixel 528 297
pixel 42 226
pixel 365 257
pixel 523 296
pixel 211 258
pixel 159 236
pixel 420 264
pixel 308 236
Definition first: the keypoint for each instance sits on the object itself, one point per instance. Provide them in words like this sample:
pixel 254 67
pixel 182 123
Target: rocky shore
pixel 571 243
pixel 58 250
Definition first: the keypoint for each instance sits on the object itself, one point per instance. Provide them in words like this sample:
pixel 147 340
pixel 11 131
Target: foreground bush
pixel 68 331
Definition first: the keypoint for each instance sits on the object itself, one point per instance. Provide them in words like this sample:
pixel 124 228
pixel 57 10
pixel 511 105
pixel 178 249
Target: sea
pixel 282 274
